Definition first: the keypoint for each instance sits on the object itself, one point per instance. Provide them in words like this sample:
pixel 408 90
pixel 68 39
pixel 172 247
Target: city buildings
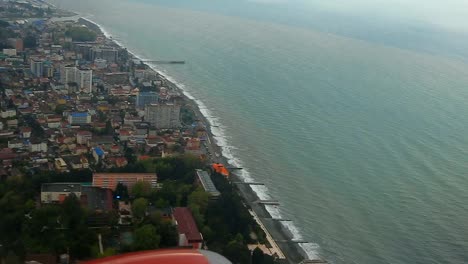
pixel 79 118
pixel 105 53
pixel 100 63
pixel 83 77
pixel 94 198
pixel 163 116
pixel 146 98
pixel 37 67
pixel 68 74
pixel 110 180
pixel 85 80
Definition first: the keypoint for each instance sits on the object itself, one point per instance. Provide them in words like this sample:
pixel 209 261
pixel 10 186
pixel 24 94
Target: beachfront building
pixel 100 63
pixel 146 98
pixel 110 180
pixel 187 228
pixel 204 179
pixel 106 53
pixel 163 115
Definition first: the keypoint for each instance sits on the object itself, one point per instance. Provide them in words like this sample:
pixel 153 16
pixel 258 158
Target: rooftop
pixel 79 114
pixel 61 187
pixel 207 183
pixel 186 224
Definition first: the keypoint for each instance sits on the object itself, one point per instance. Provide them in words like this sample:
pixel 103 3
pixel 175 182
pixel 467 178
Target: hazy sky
pixel 452 14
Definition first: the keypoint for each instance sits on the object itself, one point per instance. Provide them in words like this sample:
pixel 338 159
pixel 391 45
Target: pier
pixel 163 61
pixel 293 240
pixel 267 202
pixel 277 219
pixel 249 183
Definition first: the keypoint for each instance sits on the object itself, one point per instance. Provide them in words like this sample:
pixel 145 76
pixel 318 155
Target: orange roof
pixel 219 168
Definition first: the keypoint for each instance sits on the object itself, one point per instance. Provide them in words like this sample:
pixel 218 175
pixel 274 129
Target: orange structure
pixel 110 180
pixel 219 168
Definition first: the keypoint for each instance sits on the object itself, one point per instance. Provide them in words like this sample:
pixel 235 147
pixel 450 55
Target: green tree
pixel 79 239
pixel 30 41
pixel 81 34
pixel 199 198
pixel 122 191
pixel 141 189
pixel 41 231
pixel 139 207
pixel 237 252
pixel 146 238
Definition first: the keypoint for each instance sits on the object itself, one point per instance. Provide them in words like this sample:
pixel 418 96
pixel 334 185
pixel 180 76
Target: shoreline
pixel 282 236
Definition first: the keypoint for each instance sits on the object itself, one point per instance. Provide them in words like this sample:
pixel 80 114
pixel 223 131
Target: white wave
pixel 274 211
pixel 296 235
pixel 311 250
pixel 222 140
pixel 261 191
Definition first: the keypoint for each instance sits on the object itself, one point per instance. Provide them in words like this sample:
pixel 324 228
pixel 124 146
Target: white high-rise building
pixel 37 67
pixel 163 115
pixel 85 80
pixel 82 77
pixel 68 74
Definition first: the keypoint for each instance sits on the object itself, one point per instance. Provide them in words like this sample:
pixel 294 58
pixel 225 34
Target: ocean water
pixel 359 129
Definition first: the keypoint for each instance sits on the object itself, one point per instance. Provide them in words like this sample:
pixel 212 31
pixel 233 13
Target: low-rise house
pixel 154 141
pixel 187 228
pixel 124 135
pixel 13 123
pixel 25 132
pixel 54 121
pixel 105 142
pixel 130 120
pixel 6 134
pixel 60 165
pixel 37 146
pixel 115 149
pixel 83 137
pixel 98 154
pixel 15 144
pixel 117 162
pixel 78 162
pixel 79 150
pixel 94 198
pixel 8 113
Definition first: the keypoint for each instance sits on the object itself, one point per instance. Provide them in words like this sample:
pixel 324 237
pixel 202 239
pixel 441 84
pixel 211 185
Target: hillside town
pixel 102 155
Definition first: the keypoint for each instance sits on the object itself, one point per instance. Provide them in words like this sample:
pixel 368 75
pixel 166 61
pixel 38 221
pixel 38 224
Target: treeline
pixel 226 225
pixel 81 34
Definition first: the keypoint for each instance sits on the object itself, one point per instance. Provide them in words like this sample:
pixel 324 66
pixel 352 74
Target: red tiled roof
pixel 186 224
pixel 124 133
pixel 84 133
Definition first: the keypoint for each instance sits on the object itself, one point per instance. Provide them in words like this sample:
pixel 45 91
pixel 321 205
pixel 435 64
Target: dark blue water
pixel 356 120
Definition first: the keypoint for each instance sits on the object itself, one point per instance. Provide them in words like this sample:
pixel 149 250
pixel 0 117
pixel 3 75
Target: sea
pixel 353 113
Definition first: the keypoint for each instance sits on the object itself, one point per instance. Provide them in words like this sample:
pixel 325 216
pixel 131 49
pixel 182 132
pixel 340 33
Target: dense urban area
pixel 102 155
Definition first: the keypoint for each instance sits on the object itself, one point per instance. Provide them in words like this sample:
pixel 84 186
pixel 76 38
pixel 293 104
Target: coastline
pixel 276 228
